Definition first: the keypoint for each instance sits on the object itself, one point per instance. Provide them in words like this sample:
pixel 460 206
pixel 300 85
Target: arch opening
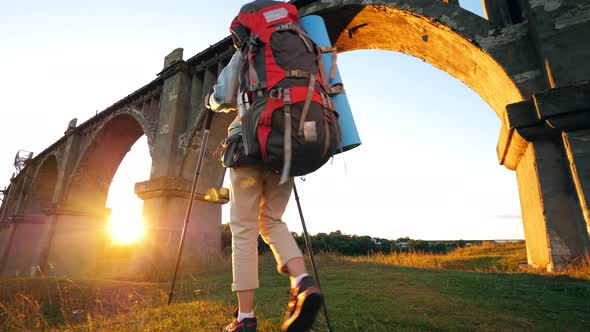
pixel 444 36
pixel 126 222
pixel 95 170
pixel 426 168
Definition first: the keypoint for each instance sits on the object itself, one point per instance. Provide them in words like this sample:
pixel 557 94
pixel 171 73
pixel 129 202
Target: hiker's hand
pixel 207 101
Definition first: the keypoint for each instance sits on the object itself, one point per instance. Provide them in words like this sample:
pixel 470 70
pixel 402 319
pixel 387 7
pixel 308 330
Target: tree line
pixel 346 244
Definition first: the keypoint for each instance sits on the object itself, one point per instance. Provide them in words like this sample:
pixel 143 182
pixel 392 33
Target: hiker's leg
pixel 296 267
pixel 274 231
pixel 246 300
pixel 246 190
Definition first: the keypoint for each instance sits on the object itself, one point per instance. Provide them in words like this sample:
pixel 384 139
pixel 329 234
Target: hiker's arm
pixel 223 98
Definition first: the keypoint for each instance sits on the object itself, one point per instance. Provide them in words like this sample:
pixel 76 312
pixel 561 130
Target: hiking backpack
pixel 290 122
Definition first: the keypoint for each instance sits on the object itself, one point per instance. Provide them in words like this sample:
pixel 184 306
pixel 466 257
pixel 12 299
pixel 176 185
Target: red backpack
pixel 290 122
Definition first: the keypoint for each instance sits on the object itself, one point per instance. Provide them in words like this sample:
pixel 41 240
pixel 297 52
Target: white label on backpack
pixel 309 131
pixel 276 14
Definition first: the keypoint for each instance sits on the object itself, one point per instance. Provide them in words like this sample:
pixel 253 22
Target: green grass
pixel 479 288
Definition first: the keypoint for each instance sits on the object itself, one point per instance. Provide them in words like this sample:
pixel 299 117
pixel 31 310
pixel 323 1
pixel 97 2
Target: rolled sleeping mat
pixel 315 27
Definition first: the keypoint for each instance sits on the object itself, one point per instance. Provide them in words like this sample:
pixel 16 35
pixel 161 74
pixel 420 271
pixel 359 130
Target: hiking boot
pixel 246 325
pixel 306 300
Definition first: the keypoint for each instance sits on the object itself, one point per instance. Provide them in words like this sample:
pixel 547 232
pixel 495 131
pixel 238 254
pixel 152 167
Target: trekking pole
pixel 189 209
pixel 311 256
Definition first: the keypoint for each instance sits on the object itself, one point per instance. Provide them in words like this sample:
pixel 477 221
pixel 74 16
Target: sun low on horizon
pixel 126 225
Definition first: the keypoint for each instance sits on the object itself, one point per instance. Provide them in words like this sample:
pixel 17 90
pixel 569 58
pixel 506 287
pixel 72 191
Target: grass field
pixel 475 288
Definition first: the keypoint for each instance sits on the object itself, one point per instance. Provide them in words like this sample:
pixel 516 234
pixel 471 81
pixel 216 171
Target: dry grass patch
pixel 426 293
pixel 486 257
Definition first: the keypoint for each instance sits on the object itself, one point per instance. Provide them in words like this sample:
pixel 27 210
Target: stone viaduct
pixel 528 61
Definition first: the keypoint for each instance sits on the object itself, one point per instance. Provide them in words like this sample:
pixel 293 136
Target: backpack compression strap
pixel 287 138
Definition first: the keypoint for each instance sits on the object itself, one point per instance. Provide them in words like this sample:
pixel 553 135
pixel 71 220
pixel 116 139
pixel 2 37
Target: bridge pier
pixel 551 214
pixel 22 238
pixel 577 145
pixel 554 173
pixel 165 204
pixel 166 195
pixel 77 241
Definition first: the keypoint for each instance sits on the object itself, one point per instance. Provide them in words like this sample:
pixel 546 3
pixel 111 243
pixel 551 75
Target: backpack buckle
pixel 276 94
pixel 253 42
pixel 246 99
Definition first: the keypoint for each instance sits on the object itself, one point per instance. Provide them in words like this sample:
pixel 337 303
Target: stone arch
pixel 148 129
pixel 41 193
pixel 89 185
pixel 444 35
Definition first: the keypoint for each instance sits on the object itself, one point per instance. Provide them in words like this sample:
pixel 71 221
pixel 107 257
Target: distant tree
pixel 346 244
pixel 418 245
pixel 438 247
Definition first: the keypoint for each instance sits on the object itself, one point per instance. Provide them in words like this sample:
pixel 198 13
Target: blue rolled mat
pixel 316 28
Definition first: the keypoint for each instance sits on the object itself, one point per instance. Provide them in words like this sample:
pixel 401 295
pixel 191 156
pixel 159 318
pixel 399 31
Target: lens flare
pixel 126 227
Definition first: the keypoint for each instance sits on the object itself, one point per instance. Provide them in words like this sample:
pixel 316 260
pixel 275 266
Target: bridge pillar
pixel 6 235
pixel 6 229
pixel 553 174
pixel 24 233
pixel 14 207
pixel 78 239
pixel 577 144
pixel 550 209
pixel 165 203
pixel 166 194
pixel 49 238
pixel 173 116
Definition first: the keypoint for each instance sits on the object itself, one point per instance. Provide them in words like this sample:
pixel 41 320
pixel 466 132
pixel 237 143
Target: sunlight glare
pixel 126 226
pixel 127 222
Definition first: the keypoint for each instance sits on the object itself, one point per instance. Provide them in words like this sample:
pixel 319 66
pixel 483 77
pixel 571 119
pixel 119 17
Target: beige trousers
pixel 257 203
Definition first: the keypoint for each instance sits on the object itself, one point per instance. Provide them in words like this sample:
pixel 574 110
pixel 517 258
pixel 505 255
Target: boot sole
pixel 308 306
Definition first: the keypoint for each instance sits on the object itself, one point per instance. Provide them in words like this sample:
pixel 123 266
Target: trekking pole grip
pixel 208 119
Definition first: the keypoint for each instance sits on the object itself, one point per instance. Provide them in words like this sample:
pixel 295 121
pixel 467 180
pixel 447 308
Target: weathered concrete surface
pixel 578 149
pixel 505 12
pixel 24 240
pixel 528 62
pixel 6 236
pixel 553 219
pixel 557 26
pixel 165 205
pixel 78 243
pixel 561 116
pixel 535 230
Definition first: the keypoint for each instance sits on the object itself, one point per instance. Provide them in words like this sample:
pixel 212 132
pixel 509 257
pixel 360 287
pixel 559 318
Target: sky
pixel 427 167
